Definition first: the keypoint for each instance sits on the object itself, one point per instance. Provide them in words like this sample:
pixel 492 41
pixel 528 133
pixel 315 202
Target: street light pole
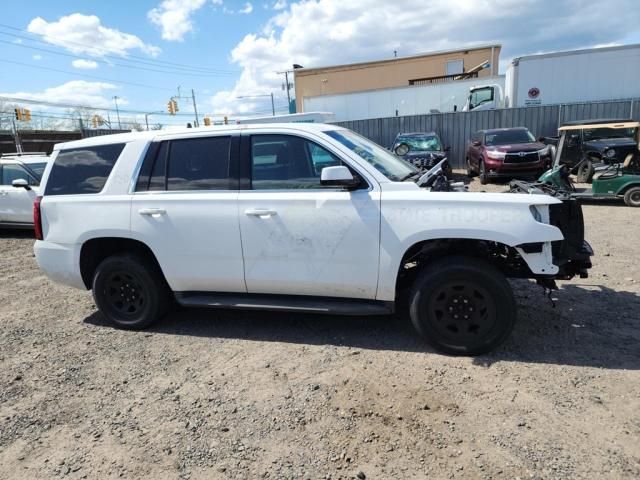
pixel 115 99
pixel 273 106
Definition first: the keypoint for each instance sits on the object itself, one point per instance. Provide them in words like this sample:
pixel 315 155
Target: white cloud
pixel 36 57
pixel 279 4
pixel 85 34
pixel 315 33
pixel 77 92
pixel 174 17
pixel 247 9
pixel 85 64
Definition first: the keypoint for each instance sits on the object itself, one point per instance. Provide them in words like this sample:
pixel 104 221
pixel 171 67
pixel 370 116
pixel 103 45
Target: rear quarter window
pixel 82 170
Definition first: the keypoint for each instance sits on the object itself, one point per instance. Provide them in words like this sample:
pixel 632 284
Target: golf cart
pixel 611 180
pixel 594 144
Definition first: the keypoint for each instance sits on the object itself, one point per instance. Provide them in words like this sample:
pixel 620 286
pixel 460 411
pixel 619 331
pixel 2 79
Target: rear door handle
pixel 260 212
pixel 154 212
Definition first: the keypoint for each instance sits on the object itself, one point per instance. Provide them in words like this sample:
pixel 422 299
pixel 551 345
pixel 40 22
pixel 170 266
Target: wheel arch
pixel 503 256
pixel 95 250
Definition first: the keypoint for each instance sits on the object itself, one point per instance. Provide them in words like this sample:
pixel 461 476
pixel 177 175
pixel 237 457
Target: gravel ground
pixel 222 394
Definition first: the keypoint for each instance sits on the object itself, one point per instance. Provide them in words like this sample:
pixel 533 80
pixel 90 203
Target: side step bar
pixel 284 303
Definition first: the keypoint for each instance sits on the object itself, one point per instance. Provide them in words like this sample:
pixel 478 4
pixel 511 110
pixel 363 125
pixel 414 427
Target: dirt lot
pixel 219 394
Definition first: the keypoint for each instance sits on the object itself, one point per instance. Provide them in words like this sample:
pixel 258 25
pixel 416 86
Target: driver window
pixel 481 96
pixel 288 162
pixel 12 172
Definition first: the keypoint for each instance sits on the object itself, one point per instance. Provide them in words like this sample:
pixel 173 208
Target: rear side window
pixel 198 164
pixel 82 170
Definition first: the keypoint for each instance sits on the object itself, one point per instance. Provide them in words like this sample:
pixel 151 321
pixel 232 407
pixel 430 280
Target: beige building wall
pixel 395 72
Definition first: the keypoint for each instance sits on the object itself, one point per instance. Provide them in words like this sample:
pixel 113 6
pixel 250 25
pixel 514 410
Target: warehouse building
pixel 423 69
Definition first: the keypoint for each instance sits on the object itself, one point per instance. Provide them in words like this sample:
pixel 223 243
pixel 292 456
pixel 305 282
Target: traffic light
pixel 172 107
pixel 26 114
pixel 207 121
pixel 18 112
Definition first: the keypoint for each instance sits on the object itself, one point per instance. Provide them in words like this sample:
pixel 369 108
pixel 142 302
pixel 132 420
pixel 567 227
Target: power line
pixel 95 77
pixel 83 107
pixel 93 47
pixel 116 64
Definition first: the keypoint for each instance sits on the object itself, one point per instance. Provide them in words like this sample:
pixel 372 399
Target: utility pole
pixel 273 108
pixel 195 109
pixel 109 120
pixel 16 137
pixel 286 79
pixel 115 99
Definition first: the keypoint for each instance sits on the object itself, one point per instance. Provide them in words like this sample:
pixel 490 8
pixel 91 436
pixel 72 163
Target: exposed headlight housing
pixel 536 213
pixel 610 153
pixel 545 151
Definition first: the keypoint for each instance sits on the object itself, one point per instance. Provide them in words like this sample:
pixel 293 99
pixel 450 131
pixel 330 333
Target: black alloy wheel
pixel 130 291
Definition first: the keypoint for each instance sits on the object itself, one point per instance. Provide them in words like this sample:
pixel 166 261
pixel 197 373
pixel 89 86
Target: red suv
pixel 506 153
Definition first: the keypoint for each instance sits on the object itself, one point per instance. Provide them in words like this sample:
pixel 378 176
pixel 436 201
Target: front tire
pixel 470 172
pixel 632 197
pixel 585 172
pixel 462 306
pixel 483 173
pixel 130 292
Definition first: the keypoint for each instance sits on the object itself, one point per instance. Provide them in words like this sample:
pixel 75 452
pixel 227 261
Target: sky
pixel 141 51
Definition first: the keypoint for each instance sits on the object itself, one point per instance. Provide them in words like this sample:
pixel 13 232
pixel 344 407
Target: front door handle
pixel 154 212
pixel 260 212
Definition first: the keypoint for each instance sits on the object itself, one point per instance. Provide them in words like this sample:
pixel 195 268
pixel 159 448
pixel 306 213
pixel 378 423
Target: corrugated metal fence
pixel 455 128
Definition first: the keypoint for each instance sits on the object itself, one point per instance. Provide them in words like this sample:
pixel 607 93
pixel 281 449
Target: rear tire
pixel 130 291
pixel 482 173
pixel 462 306
pixel 632 197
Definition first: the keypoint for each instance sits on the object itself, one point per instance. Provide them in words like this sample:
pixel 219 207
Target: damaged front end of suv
pixel 572 255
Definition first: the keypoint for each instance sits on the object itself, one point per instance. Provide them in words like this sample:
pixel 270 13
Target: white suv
pixel 292 217
pixel 19 186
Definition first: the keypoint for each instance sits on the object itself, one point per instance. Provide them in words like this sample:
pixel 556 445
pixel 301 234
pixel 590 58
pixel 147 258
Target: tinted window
pixel 197 164
pixel 159 172
pixel 37 168
pixel 288 162
pixel 82 170
pixel 509 137
pixel 11 172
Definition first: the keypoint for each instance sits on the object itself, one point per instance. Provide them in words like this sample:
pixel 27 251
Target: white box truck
pixel 398 101
pixel 595 74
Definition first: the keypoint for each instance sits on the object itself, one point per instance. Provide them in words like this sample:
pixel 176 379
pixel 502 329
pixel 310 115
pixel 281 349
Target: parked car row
pixel 515 153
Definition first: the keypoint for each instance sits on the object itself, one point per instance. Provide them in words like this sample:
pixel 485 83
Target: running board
pixel 285 303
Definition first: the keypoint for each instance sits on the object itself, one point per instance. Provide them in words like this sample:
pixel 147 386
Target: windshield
pixel 420 142
pixel 508 137
pixel 596 133
pixel 389 165
pixel 37 168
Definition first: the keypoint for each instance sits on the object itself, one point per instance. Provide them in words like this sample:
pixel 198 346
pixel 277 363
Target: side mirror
pixel 339 176
pixel 541 139
pixel 446 149
pixel 476 143
pixel 21 183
